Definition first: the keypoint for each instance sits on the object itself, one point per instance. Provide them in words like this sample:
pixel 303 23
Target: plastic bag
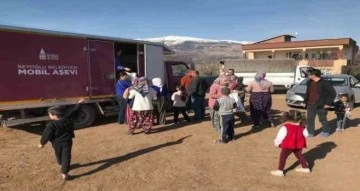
pixel 240 106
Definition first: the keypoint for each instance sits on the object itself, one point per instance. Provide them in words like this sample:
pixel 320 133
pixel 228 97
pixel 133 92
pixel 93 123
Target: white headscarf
pixel 157 82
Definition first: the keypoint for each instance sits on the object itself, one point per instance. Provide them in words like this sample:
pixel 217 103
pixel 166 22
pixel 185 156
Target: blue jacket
pixel 121 86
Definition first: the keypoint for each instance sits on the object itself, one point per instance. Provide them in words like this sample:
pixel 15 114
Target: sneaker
pixel 325 134
pixel 342 129
pixel 220 142
pixel 271 124
pixel 338 129
pixel 303 170
pixel 64 176
pixel 277 173
pixel 311 135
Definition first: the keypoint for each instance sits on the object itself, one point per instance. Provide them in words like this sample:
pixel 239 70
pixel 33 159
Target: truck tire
pixel 85 118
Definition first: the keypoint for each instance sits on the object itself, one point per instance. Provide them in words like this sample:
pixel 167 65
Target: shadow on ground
pixel 333 123
pixel 317 153
pixel 106 163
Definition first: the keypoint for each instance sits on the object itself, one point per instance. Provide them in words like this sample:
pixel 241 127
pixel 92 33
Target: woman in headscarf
pixel 214 94
pixel 161 103
pixel 142 107
pixel 260 99
pixel 129 113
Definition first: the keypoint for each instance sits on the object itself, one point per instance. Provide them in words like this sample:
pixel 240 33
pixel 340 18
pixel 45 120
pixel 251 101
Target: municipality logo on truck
pixel 44 56
pixel 46 70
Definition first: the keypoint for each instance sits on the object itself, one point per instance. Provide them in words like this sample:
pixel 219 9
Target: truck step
pixel 111 107
pixel 111 113
pixel 24 121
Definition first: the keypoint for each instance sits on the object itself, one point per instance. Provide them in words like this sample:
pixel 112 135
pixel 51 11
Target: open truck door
pixel 101 69
pixel 154 67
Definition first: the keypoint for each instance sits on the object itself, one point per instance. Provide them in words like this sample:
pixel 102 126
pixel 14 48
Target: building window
pixel 324 55
pixel 294 55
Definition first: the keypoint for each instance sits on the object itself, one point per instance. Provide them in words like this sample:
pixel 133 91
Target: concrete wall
pixel 348 52
pixel 280 54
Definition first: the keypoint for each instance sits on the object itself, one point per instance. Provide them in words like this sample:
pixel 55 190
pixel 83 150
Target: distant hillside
pixel 204 53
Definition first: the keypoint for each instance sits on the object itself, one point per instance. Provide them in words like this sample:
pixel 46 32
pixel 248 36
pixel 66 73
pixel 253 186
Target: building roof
pixel 273 38
pixel 167 50
pixel 299 44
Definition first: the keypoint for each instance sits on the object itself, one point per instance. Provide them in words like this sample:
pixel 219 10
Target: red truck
pixel 43 68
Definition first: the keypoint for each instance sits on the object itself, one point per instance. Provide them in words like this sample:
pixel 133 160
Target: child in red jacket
pixel 292 139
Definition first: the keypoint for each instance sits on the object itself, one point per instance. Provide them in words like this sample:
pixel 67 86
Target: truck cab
pixel 301 73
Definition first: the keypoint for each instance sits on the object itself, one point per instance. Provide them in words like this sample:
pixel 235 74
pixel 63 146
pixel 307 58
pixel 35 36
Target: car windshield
pixel 334 81
pixel 337 81
pixel 304 82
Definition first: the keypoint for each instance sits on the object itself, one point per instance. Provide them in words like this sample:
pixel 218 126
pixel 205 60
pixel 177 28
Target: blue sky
pixel 250 20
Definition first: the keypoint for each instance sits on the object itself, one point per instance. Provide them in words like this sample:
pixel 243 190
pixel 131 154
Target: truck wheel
pixel 85 118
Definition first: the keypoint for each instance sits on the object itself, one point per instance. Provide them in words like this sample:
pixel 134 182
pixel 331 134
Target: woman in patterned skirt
pixel 260 99
pixel 142 107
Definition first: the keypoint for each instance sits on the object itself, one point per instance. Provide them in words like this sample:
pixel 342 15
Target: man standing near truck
pixel 122 84
pixel 197 91
pixel 320 95
pixel 185 81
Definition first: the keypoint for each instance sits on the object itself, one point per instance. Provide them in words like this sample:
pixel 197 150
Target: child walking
pixel 225 106
pixel 180 99
pixel 292 139
pixel 342 111
pixel 60 132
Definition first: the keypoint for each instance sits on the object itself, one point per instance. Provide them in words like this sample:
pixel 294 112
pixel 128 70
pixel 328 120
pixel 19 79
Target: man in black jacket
pixel 320 95
pixel 197 91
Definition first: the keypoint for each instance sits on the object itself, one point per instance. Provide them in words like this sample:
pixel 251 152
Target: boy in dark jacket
pixel 60 132
pixel 342 111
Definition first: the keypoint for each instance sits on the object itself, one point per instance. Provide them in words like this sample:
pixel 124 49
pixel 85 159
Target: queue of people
pixel 140 103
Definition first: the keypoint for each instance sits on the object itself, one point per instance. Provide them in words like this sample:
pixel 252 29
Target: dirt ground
pixel 179 157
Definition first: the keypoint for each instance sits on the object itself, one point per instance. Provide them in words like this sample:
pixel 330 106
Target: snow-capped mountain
pixel 204 53
pixel 175 40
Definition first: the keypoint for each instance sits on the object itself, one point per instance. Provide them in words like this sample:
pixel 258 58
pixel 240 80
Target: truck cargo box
pixel 46 68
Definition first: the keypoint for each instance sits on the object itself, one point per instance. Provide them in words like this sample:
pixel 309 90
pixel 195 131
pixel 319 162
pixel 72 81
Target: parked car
pixel 343 84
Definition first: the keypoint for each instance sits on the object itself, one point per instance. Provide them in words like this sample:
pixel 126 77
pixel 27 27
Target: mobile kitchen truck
pixel 40 69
